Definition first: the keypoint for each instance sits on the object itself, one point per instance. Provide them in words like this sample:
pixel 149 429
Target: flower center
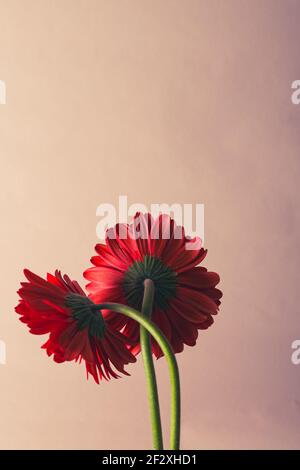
pixel 164 280
pixel 85 316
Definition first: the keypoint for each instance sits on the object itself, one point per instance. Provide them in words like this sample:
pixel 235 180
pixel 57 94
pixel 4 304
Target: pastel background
pixel 163 101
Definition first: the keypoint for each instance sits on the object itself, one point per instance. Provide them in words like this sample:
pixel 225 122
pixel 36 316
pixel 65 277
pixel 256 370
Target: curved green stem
pixel 149 368
pixel 171 361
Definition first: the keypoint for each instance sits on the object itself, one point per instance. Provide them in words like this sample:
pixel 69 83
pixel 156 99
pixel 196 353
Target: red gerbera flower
pixel 60 307
pixel 186 297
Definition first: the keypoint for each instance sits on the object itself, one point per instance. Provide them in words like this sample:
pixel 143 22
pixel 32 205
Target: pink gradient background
pixel 164 101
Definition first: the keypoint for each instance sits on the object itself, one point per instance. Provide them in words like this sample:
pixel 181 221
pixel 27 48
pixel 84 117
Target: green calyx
pixel 162 276
pixel 85 314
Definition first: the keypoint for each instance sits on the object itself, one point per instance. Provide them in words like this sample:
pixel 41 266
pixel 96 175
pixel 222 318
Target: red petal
pixel 197 278
pixel 104 275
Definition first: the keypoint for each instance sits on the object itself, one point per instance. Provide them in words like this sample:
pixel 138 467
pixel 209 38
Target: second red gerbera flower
pixel 186 297
pixel 59 307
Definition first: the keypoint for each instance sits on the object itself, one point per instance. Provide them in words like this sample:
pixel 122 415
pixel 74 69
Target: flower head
pixel 186 297
pixel 59 307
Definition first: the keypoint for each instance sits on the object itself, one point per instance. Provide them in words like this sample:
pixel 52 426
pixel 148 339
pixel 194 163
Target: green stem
pixel 171 361
pixel 149 368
